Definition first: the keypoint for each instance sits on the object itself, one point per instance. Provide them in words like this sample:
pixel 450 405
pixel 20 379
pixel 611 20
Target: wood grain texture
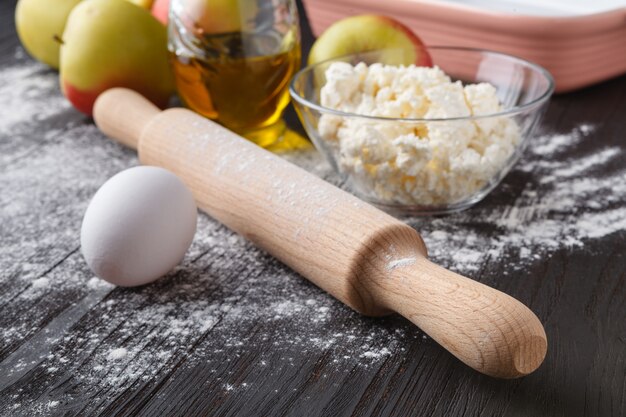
pixel 53 162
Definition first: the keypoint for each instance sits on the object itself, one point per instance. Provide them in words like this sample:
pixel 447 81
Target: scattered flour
pixel 398 263
pixel 376 354
pixel 41 283
pixel 564 204
pixel 117 354
pixel 22 92
pixel 96 282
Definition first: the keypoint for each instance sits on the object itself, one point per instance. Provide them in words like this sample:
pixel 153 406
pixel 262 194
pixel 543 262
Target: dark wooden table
pixel 232 332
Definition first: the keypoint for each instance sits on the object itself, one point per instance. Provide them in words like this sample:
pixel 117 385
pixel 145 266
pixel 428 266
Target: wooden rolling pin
pixel 367 259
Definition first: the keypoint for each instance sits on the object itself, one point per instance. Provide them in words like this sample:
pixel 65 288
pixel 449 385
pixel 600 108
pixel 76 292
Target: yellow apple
pixel 40 24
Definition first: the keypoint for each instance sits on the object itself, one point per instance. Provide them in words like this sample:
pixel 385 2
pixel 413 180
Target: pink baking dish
pixel 580 43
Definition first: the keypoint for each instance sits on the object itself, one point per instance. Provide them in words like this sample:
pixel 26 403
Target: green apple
pixel 113 43
pixel 39 24
pixel 398 45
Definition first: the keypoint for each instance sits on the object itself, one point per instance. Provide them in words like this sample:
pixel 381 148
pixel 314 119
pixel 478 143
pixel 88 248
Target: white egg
pixel 138 226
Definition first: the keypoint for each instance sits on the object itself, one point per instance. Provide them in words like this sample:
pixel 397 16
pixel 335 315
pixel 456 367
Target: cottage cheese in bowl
pixel 415 140
pixel 425 163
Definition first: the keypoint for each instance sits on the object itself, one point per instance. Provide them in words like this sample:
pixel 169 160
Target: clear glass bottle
pixel 233 61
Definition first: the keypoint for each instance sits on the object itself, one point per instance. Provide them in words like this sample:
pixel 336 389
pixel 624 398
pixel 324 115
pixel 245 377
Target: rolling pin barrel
pixel 367 259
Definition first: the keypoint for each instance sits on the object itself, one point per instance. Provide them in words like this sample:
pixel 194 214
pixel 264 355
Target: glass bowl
pixel 369 154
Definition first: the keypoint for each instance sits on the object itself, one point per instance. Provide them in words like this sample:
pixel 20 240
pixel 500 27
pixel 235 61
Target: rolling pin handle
pixel 483 327
pixel 122 114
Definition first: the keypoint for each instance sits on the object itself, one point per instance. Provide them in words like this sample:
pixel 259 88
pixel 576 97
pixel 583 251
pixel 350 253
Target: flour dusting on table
pixel 203 314
pixel 22 90
pixel 563 205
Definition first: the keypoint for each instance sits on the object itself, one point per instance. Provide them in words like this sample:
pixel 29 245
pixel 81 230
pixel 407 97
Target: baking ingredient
pixel 19 81
pixel 160 10
pixel 415 163
pixel 116 354
pixel 244 93
pixel 233 68
pixel 38 22
pixel 397 43
pixel 113 43
pixel 138 226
